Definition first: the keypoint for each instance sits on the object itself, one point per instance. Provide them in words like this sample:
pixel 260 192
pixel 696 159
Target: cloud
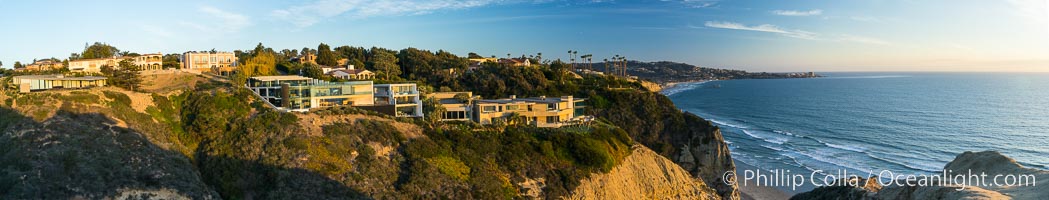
pixel 768 28
pixel 798 12
pixel 862 39
pixel 697 3
pixel 226 21
pixel 312 13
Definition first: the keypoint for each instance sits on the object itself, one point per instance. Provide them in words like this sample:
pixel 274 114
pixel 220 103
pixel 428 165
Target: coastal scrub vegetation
pixel 244 150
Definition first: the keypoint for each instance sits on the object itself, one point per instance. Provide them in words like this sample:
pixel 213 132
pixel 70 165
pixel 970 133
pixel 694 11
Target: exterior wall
pixel 305 94
pixel 540 112
pixel 42 65
pixel 454 109
pixel 32 83
pixel 405 97
pixel 146 62
pixel 205 61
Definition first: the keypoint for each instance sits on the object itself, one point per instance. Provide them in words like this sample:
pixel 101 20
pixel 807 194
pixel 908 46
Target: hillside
pixel 663 72
pixel 210 141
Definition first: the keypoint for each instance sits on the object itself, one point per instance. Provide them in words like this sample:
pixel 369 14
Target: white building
pixel 404 97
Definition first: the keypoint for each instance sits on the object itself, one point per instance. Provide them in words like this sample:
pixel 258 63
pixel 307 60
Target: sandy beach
pixel 751 191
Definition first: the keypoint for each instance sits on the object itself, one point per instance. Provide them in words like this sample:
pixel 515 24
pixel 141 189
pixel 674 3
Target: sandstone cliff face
pixel 993 163
pixel 989 162
pixel 706 156
pixel 644 175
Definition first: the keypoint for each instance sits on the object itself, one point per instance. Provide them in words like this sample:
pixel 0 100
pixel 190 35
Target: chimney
pixel 542 97
pixel 513 96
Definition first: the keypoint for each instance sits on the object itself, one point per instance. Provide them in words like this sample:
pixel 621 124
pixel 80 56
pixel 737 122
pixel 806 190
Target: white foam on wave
pixel 774 140
pixel 681 88
pixel 773 148
pixel 783 132
pixel 835 160
pixel 847 147
pixel 726 124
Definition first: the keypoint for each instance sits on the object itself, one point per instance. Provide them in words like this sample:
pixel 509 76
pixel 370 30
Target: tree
pixel 98 50
pixel 386 63
pixel 18 65
pixel 171 61
pixel 314 71
pixel 258 49
pixel 264 64
pixel 433 110
pixel 325 56
pixel 473 55
pixel 1 64
pixel 125 75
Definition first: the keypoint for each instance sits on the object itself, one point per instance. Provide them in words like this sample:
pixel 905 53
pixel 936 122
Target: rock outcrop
pixel 994 163
pixel 705 154
pixel 988 162
pixel 643 175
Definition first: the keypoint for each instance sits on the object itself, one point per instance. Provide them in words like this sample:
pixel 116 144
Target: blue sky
pixel 872 35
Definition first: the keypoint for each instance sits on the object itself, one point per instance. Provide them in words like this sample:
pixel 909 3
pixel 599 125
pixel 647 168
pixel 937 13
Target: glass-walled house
pixel 297 93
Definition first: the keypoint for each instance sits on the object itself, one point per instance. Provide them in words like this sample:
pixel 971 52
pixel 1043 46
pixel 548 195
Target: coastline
pixel 671 88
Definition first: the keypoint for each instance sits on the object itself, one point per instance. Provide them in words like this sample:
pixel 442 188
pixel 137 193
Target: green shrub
pixel 451 167
pixel 118 98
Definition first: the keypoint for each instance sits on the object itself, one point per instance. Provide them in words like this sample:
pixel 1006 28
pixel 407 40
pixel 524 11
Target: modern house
pixel 145 62
pixel 403 97
pixel 297 93
pixel 540 111
pixel 30 83
pixel 458 106
pixel 216 62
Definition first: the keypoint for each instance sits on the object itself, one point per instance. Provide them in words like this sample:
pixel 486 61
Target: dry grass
pixel 312 123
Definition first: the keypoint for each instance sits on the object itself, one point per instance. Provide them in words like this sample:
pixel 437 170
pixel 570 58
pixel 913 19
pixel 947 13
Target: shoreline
pixel 671 88
pixel 752 191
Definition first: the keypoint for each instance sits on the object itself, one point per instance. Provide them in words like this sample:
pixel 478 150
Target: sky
pixel 776 36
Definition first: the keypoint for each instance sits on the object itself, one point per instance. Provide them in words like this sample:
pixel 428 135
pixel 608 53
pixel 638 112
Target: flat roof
pixel 57 77
pixel 281 78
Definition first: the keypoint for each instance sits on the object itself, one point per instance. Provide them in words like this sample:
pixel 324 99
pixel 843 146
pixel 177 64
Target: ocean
pixel 908 123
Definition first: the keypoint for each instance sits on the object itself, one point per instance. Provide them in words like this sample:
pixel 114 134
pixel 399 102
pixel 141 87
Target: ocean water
pixel 912 123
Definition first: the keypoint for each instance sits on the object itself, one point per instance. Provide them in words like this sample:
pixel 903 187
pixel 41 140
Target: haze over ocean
pixel 910 123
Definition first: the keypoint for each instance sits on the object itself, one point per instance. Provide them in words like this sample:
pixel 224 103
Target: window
pixel 488 108
pixel 551 106
pixel 552 119
pixel 512 107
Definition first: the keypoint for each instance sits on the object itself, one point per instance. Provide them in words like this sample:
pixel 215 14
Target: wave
pixel 846 147
pixel 833 160
pixel 681 87
pixel 783 132
pixel 773 140
pixel 727 124
pixel 927 167
pixel 773 148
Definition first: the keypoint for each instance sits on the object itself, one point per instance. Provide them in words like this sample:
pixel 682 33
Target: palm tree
pixel 624 66
pixel 606 67
pixel 539 57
